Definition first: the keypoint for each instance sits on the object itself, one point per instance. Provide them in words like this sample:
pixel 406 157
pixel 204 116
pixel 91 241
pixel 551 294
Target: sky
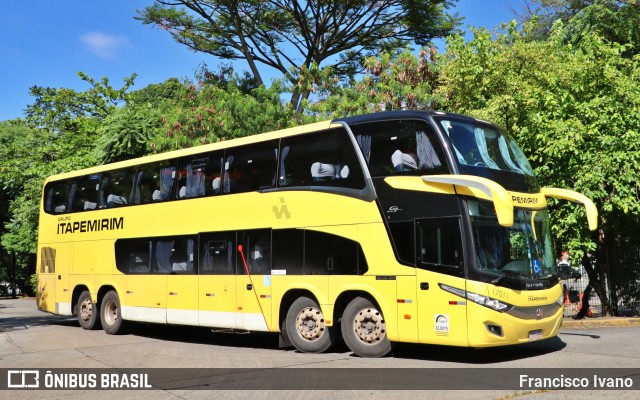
pixel 46 43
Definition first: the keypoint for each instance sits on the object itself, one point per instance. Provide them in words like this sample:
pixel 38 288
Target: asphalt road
pixel 32 339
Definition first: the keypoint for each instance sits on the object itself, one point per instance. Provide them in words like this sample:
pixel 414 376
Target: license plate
pixel 535 335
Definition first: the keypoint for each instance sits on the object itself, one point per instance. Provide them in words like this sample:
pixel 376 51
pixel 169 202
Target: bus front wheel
pixel 364 329
pixel 87 312
pixel 110 314
pixel 306 327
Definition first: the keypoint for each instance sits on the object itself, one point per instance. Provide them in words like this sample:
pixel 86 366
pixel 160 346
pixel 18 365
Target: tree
pixel 575 110
pixel 392 81
pixel 58 135
pixel 614 20
pixel 59 109
pixel 296 38
pixel 220 106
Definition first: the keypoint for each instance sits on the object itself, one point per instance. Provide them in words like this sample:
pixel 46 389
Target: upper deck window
pixel 482 145
pixel 402 147
pixel 326 158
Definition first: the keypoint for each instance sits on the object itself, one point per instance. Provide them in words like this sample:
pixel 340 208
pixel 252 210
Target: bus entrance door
pixel 442 314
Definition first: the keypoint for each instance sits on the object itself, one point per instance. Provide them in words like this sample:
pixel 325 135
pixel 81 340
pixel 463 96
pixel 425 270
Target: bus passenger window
pixel 154 182
pixel 217 253
pixel 257 251
pixel 251 167
pixel 182 259
pixel 164 184
pixel 119 187
pixel 325 158
pixel 200 176
pixel 407 147
pixel 84 193
pixel 57 198
pixel 133 256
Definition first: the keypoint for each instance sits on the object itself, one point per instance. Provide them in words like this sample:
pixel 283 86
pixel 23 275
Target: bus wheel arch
pixel 304 324
pixel 363 326
pixel 111 312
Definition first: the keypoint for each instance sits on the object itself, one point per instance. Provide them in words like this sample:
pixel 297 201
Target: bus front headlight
pixel 486 301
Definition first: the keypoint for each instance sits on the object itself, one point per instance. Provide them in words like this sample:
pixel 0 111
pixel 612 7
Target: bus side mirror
pixel 565 194
pixel 482 188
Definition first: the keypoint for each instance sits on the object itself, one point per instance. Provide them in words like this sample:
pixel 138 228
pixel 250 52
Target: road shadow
pixel 199 335
pixel 11 324
pixel 489 355
pixel 266 341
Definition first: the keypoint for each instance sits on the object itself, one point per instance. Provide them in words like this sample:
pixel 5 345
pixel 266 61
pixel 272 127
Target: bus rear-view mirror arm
pixel 565 194
pixel 482 188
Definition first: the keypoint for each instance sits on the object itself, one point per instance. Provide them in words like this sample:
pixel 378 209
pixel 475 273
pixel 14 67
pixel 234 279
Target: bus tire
pixel 87 312
pixel 110 314
pixel 364 329
pixel 306 327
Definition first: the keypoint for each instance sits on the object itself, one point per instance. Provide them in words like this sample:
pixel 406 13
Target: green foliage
pixel 575 111
pixel 219 107
pixel 58 135
pixel 127 132
pixel 290 36
pixel 614 20
pixel 33 282
pixel 391 82
pixel 58 109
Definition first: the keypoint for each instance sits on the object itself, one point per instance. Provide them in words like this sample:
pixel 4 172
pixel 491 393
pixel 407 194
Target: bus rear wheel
pixel 110 314
pixel 87 312
pixel 364 329
pixel 306 327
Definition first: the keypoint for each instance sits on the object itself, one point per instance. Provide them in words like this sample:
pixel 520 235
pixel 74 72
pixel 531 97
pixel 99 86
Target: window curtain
pixel 72 196
pixel 190 256
pixel 164 249
pixel 282 181
pixel 166 182
pixel 482 147
pixel 101 197
pixel 448 128
pixel 134 197
pixel 195 182
pixel 521 159
pixel 504 151
pixel 427 156
pixel 49 203
pixel 364 141
pixel 227 168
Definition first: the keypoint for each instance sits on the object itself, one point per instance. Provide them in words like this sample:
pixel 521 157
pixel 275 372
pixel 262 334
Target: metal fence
pixel 574 286
pixel 622 282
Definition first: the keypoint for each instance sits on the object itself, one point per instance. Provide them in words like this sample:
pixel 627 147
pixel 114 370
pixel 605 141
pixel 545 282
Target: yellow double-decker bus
pixel 422 227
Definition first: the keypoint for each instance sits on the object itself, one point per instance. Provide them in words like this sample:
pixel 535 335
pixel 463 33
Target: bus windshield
pixel 521 252
pixel 479 148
